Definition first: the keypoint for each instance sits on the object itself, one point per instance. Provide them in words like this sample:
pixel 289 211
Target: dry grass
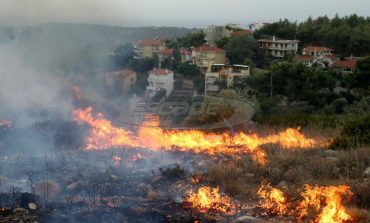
pixel 295 168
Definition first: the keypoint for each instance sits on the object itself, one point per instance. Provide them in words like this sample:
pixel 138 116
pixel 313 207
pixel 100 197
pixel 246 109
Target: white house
pixel 160 79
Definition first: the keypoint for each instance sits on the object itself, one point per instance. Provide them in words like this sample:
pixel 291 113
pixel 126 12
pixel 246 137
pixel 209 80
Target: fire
pixel 319 204
pixel 116 159
pixel 208 199
pixel 327 201
pixel 104 135
pixel 273 200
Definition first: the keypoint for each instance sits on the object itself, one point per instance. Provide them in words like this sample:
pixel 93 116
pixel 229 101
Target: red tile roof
pixel 242 32
pixel 157 71
pixel 318 49
pixel 304 58
pixel 208 49
pixel 150 42
pixel 169 52
pixel 352 64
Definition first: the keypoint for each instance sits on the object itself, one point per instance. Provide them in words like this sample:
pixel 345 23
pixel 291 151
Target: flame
pixel 318 205
pixel 116 159
pixel 273 200
pixel 327 201
pixel 104 135
pixel 208 199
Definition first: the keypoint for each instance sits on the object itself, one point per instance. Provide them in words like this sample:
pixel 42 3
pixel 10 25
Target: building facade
pixel 148 48
pixel 317 51
pixel 278 48
pixel 215 33
pixel 221 76
pixel 168 53
pixel 159 80
pixel 205 56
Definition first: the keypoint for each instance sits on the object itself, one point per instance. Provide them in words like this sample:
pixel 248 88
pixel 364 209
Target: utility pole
pixel 271 85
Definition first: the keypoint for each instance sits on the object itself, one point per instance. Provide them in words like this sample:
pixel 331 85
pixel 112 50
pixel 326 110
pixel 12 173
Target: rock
pixel 247 219
pixel 367 172
pixel 249 175
pixel 152 195
pixel 51 187
pixel 21 211
pixel 156 179
pixel 75 185
pixel 282 184
pixel 114 177
pixel 32 206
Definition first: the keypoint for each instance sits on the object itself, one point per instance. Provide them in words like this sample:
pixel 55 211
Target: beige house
pixel 221 76
pixel 215 33
pixel 185 55
pixel 205 56
pixel 279 48
pixel 148 48
pixel 317 51
pixel 124 79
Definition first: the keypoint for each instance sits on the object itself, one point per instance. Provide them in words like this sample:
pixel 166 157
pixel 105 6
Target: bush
pixel 355 133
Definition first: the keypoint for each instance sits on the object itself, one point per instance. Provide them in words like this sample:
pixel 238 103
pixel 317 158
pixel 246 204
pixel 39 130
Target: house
pixel 148 48
pixel 317 51
pixel 347 66
pixel 204 56
pixel 185 55
pixel 322 61
pixel 215 33
pixel 221 76
pixel 256 26
pixel 123 79
pixel 243 32
pixel 159 80
pixel 277 47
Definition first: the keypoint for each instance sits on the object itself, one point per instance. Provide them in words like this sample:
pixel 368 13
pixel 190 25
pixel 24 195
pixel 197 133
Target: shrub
pixel 355 133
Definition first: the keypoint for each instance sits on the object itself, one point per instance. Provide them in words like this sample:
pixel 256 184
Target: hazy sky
pixel 187 13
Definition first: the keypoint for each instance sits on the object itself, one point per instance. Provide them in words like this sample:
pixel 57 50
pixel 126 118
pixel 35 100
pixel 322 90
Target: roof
pixel 317 49
pixel 169 52
pixel 208 49
pixel 242 32
pixel 157 71
pixel 304 58
pixel 346 64
pixel 150 42
pixel 5 123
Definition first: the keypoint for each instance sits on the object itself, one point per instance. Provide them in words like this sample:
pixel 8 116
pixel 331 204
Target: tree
pixel 188 70
pixel 363 75
pixel 122 56
pixel 241 47
pixel 222 42
pixel 190 40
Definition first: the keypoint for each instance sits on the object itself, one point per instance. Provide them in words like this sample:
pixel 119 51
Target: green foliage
pixel 190 40
pixel 221 43
pixel 282 29
pixel 188 70
pixel 355 133
pixel 122 56
pixel 143 65
pixel 241 47
pixel 362 78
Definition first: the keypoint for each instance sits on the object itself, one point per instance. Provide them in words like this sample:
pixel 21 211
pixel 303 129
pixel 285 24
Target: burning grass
pixel 105 135
pixel 207 199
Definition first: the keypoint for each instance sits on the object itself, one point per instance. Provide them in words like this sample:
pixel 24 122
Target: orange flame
pixel 319 204
pixel 104 135
pixel 327 201
pixel 273 200
pixel 208 199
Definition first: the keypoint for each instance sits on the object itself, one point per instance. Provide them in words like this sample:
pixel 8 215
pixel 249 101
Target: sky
pixel 185 13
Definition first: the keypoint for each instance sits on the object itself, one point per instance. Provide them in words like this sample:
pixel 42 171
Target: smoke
pixel 27 12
